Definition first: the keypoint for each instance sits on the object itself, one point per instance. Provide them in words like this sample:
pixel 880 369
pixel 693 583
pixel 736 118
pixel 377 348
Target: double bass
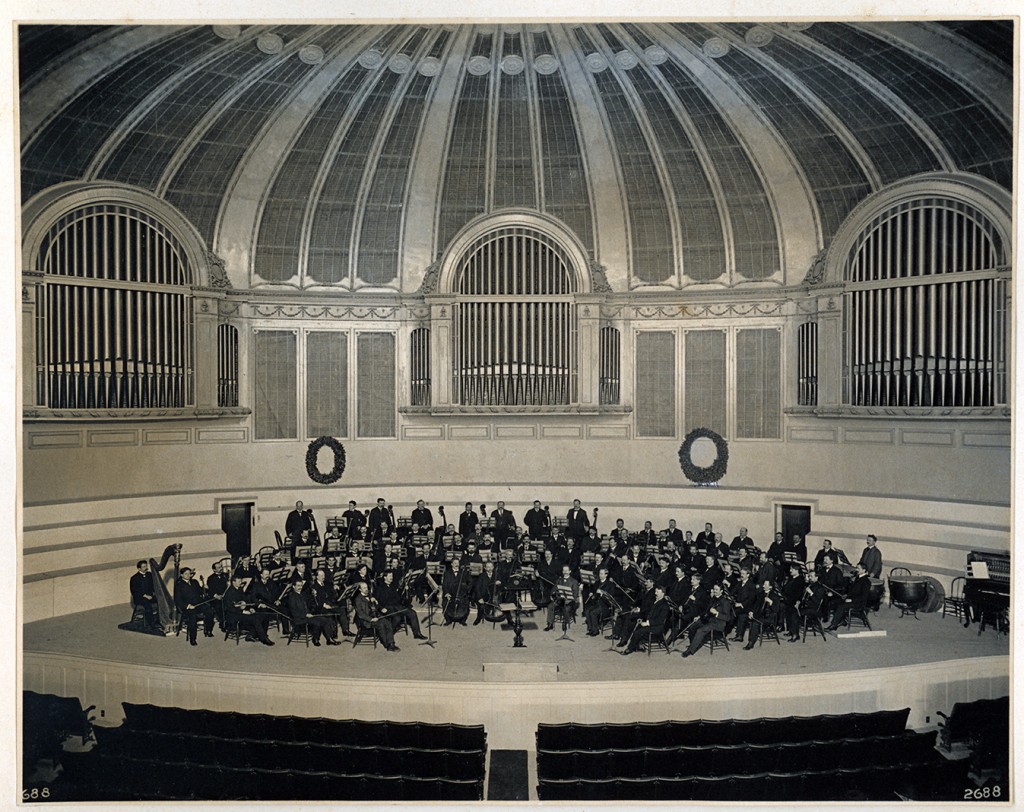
pixel 456 585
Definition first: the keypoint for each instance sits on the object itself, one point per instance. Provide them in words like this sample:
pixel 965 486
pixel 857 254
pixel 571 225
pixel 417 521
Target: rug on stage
pixel 509 776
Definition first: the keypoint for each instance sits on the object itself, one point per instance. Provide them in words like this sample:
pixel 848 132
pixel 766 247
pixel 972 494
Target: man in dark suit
pixel 792 592
pixel 706 538
pixel 654 623
pixel 380 517
pixel 240 609
pixel 303 610
pixel 468 521
pixel 189 598
pixel 832 578
pixel 537 521
pixel 721 612
pixel 423 517
pixel 354 520
pixel 504 523
pixel 856 598
pixel 559 599
pixel 299 520
pixel 743 602
pixel 141 587
pixel 576 521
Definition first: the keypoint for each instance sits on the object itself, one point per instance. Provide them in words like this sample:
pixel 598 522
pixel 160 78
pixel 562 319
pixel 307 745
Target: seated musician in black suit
pixel 792 591
pixel 303 610
pixel 370 621
pixel 240 609
pixel 329 604
pixel 141 587
pixel 654 624
pixel 744 595
pixel 765 611
pixel 483 592
pixel 216 585
pixel 566 581
pixel 718 617
pixel 832 578
pixel 190 599
pixel 627 621
pixel 393 608
pixel 856 598
pixel 599 607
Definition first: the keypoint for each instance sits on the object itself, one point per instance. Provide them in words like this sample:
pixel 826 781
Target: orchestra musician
pixel 712 572
pixel 355 520
pixel 558 599
pixel 240 610
pixel 503 575
pixel 577 521
pixel 744 595
pixel 504 523
pixel 381 521
pixel 871 557
pixel 547 573
pixel 423 517
pixel 827 549
pixel 626 622
pixel 812 604
pixel 190 600
pixel 655 622
pixel 537 521
pixel 673 533
pixel 455 588
pixel 591 542
pixel 739 544
pixel 329 604
pixel 598 607
pixel 856 598
pixel 775 552
pixel 302 609
pixel 393 609
pixel 832 578
pixel 765 612
pixel 706 538
pixel 298 520
pixel 263 592
pixel 647 536
pixel 717 618
pixel 468 521
pixel 216 586
pixel 368 619
pixel 483 592
pixel 140 585
pixel 696 605
pixel 721 548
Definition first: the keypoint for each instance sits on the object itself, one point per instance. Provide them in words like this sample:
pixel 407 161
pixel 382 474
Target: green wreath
pixel 712 473
pixel 339 460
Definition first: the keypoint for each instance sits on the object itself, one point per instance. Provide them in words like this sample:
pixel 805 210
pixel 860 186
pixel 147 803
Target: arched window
pixel 926 308
pixel 114 319
pixel 515 336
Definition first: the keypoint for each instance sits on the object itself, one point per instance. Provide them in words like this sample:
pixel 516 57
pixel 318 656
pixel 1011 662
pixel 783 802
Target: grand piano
pixel 987 590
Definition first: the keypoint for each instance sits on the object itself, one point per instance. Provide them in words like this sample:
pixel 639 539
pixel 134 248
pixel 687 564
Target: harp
pixel 167 612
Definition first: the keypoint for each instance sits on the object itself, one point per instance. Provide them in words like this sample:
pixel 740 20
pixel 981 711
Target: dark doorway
pixel 236 522
pixel 795 519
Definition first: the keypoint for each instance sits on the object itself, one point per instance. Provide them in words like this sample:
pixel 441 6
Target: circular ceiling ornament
pixel 798 26
pixel 429 66
pixel 400 64
pixel 479 65
pixel 596 62
pixel 512 64
pixel 545 64
pixel 759 36
pixel 626 60
pixel 715 47
pixel 227 31
pixel 371 59
pixel 655 54
pixel 311 54
pixel 270 43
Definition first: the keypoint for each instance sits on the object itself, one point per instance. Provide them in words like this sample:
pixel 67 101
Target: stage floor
pixel 462 652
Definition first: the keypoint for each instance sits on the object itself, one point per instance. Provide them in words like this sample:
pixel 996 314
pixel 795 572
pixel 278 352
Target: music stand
pixel 517 624
pixel 616 611
pixel 431 606
pixel 568 602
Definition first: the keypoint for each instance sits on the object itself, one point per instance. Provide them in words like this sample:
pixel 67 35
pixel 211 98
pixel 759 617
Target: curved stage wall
pixel 923 687
pixel 97 499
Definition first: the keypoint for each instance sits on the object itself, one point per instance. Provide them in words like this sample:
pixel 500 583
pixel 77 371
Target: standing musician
pixel 190 599
pixel 792 591
pixel 455 588
pixel 468 521
pixel 577 521
pixel 716 620
pixel 673 533
pixel 856 599
pixel 483 592
pixel 796 550
pixel 393 609
pixel 240 609
pixel 369 621
pixel 141 587
pixel 303 610
pixel 299 520
pixel 537 521
pixel 832 578
pixel 504 523
pixel 706 537
pixel 423 517
pixel 355 520
pixel 744 596
pixel 216 586
pixel 720 548
pixel 328 604
pixel 381 520
pixel 766 611
pixel 655 622
pixel 598 607
pixel 647 536
pixel 775 552
pixel 559 601
pixel 738 546
pixel 871 558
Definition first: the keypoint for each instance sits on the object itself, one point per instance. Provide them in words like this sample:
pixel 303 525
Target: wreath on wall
pixel 712 473
pixel 339 460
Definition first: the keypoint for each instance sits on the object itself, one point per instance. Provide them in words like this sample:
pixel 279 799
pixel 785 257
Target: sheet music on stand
pixel 564 592
pixel 351 562
pixel 587 576
pixel 977 569
pixel 434 568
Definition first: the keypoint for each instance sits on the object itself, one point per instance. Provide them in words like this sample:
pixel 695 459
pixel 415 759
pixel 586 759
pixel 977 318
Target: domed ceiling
pixel 350 156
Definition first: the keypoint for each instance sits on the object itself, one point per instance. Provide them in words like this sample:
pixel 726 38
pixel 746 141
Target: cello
pixel 456 608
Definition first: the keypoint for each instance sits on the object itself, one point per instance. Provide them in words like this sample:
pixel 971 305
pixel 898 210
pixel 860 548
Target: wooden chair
pixel 716 639
pixel 954 600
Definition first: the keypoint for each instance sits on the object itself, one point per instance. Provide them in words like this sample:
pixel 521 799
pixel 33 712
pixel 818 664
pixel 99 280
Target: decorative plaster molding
pixel 218 273
pixel 430 278
pixel 599 278
pixel 816 273
pixel 324 311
